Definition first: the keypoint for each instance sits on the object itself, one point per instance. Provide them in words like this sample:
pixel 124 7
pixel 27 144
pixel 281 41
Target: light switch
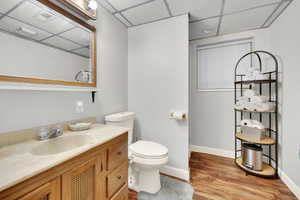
pixel 79 107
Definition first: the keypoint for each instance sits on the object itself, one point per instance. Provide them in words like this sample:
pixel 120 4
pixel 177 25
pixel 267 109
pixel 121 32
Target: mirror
pixel 42 43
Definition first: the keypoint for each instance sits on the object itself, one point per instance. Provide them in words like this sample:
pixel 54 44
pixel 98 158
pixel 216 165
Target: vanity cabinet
pixel 100 173
pixel 83 182
pixel 48 191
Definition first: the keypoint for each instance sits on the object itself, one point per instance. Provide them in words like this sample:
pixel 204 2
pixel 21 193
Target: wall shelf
pixel 46 88
pixel 32 87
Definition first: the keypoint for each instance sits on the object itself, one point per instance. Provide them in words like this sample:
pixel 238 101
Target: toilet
pixel 145 157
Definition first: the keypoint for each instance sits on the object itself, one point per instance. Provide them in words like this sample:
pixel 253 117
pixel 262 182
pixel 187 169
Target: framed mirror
pixel 42 43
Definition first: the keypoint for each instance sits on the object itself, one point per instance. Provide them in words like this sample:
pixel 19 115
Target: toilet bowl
pixel 145 157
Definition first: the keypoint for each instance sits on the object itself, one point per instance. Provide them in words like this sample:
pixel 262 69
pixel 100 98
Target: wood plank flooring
pixel 218 178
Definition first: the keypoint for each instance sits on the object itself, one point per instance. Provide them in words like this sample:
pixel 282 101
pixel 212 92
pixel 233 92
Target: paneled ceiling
pixel 207 17
pixel 33 21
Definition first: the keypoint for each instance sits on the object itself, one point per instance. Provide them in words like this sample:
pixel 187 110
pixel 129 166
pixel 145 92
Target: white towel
pixel 259 99
pixel 265 107
pixel 258 75
pixel 249 93
pixel 252 124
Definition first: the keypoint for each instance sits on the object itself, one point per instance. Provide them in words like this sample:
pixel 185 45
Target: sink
pixel 61 144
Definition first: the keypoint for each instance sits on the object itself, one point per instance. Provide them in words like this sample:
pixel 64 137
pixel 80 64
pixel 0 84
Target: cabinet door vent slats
pixel 83 185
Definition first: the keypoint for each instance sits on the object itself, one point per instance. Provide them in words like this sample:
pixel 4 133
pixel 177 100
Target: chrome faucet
pixel 47 133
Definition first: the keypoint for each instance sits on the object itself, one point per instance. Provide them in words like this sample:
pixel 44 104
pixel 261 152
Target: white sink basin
pixel 61 144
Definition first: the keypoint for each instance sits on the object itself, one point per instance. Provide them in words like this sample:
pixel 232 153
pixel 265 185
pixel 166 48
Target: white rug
pixel 171 189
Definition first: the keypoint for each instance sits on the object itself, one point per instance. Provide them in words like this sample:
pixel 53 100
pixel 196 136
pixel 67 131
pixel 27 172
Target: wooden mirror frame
pixel 18 79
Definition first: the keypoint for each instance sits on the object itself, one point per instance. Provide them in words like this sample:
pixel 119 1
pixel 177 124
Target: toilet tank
pixel 124 119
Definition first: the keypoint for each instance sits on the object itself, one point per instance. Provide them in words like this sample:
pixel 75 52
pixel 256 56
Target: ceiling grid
pixel 203 14
pixel 221 17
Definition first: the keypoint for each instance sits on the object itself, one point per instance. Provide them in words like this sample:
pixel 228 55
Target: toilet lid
pixel 146 149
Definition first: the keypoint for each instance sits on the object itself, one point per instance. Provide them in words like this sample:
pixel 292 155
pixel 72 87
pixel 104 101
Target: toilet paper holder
pixel 178 115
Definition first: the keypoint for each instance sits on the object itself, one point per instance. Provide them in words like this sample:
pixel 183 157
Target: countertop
pixel 18 162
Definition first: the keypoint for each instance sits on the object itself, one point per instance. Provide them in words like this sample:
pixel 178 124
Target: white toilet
pixel 145 157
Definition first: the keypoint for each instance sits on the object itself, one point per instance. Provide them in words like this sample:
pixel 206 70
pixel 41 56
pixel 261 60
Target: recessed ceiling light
pixel 26 31
pixel 45 16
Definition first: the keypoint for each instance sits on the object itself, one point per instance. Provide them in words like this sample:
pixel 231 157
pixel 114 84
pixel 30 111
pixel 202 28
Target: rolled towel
pixel 246 122
pixel 252 124
pixel 265 107
pixel 249 93
pixel 257 124
pixel 261 76
pixel 250 106
pixel 239 106
pixel 259 99
pixel 248 77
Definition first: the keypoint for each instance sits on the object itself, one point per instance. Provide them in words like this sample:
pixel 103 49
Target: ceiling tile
pixel 204 28
pixel 106 5
pixel 122 4
pixel 149 12
pixel 42 17
pixel 198 9
pixel 6 5
pixel 246 20
pixel 61 43
pixel 13 26
pixel 238 5
pixel 78 35
pixel 83 51
pixel 122 19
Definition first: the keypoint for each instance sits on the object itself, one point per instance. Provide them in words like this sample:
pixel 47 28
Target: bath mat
pixel 171 189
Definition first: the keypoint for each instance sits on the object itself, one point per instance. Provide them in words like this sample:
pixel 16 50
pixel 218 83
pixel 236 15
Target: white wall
pixel 285 42
pixel 158 83
pixel 212 115
pixel 36 60
pixel 25 109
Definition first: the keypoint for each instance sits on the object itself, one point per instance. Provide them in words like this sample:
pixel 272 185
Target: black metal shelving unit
pixel 269 87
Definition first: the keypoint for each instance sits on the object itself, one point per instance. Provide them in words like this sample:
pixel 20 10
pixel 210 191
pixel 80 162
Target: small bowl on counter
pixel 80 126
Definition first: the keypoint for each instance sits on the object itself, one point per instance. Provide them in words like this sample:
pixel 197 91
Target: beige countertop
pixel 18 162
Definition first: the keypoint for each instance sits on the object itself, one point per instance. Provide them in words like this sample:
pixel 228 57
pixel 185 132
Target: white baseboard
pixel 213 151
pixel 290 184
pixel 176 172
pixel 230 154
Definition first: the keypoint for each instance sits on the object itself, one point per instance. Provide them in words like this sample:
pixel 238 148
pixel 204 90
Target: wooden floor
pixel 218 178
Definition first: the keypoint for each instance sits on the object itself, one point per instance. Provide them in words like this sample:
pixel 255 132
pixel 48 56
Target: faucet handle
pixel 43 133
pixel 59 130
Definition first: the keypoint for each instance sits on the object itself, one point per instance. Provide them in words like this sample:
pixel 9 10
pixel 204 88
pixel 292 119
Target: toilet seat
pixel 148 150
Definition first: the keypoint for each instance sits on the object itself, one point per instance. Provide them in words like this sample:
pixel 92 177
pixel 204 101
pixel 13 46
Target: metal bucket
pixel 252 156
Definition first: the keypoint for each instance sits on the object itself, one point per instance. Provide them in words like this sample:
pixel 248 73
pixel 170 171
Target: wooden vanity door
pixel 48 191
pixel 84 182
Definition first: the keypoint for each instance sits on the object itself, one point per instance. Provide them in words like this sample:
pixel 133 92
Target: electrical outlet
pixel 79 107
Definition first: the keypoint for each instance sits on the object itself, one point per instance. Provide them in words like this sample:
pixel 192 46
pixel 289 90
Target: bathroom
pixel 145 79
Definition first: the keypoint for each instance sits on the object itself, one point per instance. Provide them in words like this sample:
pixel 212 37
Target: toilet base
pixel 146 180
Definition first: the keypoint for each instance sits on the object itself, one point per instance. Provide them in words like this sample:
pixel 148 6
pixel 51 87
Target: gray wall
pixel 212 116
pixel 25 109
pixel 158 84
pixel 282 39
pixel 285 44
